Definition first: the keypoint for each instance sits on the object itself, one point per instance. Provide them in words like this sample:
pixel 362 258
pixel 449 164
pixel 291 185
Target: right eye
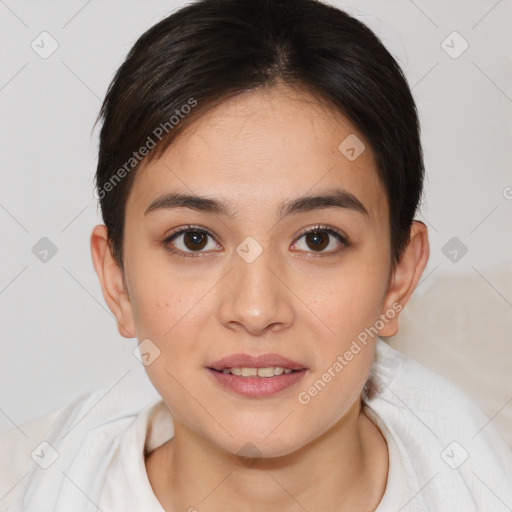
pixel 186 242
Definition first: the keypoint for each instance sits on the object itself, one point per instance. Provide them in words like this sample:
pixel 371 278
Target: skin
pixel 255 151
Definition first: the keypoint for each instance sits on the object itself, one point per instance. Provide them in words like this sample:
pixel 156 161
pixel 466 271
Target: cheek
pixel 349 300
pixel 333 389
pixel 162 300
pixel 350 308
pixel 346 357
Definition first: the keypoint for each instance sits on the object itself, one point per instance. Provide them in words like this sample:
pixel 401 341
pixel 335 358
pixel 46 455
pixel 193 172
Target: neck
pixel 344 469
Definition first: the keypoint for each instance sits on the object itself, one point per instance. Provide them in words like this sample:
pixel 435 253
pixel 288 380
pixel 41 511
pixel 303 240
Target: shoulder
pixel 442 434
pixel 58 439
pixel 17 446
pixel 409 388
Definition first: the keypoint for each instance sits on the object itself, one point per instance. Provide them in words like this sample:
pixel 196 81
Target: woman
pixel 259 171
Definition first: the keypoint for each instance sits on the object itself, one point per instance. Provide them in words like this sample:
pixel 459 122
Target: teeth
pixel 257 372
pixel 265 372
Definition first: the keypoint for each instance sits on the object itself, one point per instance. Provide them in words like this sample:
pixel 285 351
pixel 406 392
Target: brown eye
pixel 195 240
pixel 186 242
pixel 320 238
pixel 317 240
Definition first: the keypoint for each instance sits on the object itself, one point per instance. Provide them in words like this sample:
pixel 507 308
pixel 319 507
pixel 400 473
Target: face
pixel 253 272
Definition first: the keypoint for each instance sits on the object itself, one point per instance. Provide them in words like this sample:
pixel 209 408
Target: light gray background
pixel 58 338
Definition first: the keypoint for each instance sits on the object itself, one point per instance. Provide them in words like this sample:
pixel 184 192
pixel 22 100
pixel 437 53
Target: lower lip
pixel 257 386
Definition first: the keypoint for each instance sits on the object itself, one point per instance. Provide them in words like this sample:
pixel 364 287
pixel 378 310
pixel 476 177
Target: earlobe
pixel 112 281
pixel 406 277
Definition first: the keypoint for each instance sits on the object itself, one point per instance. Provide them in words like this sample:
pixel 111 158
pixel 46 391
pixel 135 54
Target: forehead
pixel 262 147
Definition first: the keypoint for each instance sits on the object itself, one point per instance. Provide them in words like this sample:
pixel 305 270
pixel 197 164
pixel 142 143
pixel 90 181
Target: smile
pixel 256 382
pixel 257 372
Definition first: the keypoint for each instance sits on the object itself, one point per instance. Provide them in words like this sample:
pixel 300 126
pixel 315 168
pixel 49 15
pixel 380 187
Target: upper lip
pixel 260 361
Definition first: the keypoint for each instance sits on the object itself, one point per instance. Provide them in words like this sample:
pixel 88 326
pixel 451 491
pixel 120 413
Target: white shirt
pixel 444 454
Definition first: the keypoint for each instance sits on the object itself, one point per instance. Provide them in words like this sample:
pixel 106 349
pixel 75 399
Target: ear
pixel 112 281
pixel 405 277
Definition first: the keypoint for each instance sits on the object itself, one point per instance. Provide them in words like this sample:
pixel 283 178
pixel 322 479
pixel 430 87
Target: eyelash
pixel 197 229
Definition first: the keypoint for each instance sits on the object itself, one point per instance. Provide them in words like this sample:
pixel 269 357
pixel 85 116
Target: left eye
pixel 318 239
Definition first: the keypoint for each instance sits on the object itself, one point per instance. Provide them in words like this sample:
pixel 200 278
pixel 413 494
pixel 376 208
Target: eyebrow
pixel 337 198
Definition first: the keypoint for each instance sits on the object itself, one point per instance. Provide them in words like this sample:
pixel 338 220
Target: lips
pixel 279 373
pixel 260 361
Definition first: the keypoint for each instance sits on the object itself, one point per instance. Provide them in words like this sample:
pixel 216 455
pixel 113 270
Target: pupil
pixel 317 242
pixel 195 238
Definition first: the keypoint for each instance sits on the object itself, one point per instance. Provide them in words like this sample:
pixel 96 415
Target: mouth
pixel 257 362
pixel 269 371
pixel 256 376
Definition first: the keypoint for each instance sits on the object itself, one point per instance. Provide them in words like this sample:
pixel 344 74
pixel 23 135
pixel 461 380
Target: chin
pixel 264 446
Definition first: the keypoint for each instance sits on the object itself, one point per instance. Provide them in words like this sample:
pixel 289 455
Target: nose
pixel 256 297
